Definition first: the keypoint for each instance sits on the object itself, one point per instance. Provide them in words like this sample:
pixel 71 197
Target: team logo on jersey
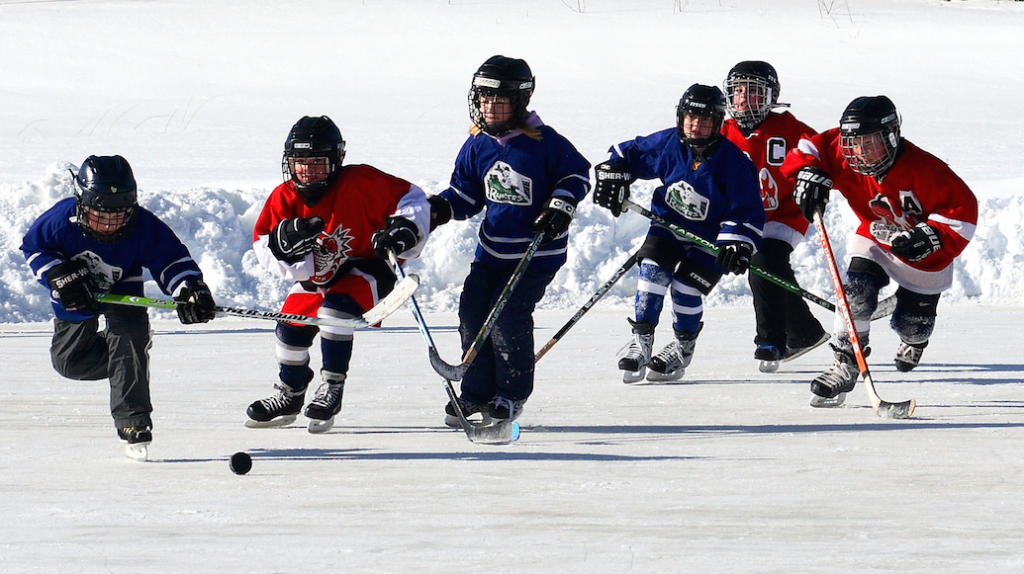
pixel 102 272
pixel 769 190
pixel 683 199
pixel 775 152
pixel 502 184
pixel 892 219
pixel 331 252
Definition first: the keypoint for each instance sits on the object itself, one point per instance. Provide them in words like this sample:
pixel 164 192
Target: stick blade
pixel 897 410
pixel 501 433
pixel 450 372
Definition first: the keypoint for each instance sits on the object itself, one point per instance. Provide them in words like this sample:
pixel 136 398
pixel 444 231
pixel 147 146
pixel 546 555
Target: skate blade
pixel 656 377
pixel 278 422
pixel 478 420
pixel 823 403
pixel 768 366
pixel 320 427
pixel 803 351
pixel 630 377
pixel 138 452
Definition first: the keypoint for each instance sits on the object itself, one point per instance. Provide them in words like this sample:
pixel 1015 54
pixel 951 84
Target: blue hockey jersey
pixel 117 267
pixel 513 177
pixel 718 199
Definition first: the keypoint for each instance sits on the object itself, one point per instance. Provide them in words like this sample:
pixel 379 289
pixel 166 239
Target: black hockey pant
pixel 783 318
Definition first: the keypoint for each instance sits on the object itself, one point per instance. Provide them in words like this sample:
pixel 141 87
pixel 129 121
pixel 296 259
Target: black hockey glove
pixel 292 239
pixel 811 192
pixel 440 211
pixel 734 257
pixel 916 244
pixel 554 219
pixel 195 303
pixel 399 235
pixel 612 187
pixel 73 286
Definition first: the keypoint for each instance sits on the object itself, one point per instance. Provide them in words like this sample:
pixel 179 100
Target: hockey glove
pixel 195 303
pixel 440 211
pixel 612 187
pixel 399 235
pixel 734 257
pixel 811 192
pixel 554 219
pixel 292 239
pixel 73 286
pixel 916 244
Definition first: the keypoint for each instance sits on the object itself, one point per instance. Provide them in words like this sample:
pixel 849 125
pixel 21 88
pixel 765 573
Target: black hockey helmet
pixel 759 83
pixel 106 191
pixel 870 135
pixel 700 100
pixel 501 76
pixel 313 138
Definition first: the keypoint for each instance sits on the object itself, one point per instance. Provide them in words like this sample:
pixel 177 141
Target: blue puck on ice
pixel 240 463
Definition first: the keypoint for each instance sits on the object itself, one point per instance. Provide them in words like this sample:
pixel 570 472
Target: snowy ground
pixel 727 471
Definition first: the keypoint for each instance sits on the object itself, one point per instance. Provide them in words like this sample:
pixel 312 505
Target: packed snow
pixel 728 470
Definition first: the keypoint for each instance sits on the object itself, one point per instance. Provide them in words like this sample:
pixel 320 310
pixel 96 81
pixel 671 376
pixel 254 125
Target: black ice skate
pixel 909 356
pixel 451 418
pixel 831 386
pixel 505 410
pixel 670 364
pixel 638 353
pixel 277 411
pixel 769 357
pixel 136 441
pixel 324 406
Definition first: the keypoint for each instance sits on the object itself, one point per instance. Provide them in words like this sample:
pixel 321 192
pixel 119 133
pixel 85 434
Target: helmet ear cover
pixel 313 137
pixel 106 185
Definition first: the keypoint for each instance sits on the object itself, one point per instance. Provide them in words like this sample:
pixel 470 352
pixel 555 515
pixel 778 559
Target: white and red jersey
pixel 918 187
pixel 767 147
pixel 356 206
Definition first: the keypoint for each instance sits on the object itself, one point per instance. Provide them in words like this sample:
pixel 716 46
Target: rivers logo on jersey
pixel 504 185
pixel 682 198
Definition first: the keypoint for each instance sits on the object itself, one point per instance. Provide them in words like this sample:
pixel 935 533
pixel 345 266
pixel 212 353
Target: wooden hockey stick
pixel 882 408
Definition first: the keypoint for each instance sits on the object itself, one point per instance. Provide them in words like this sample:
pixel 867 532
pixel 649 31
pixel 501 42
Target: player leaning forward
pixel 327 228
pixel 98 242
pixel 915 215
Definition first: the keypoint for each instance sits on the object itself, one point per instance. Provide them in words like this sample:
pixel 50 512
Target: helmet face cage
pixel 501 77
pixel 870 135
pixel 756 95
pixel 703 101
pixel 312 156
pixel 107 198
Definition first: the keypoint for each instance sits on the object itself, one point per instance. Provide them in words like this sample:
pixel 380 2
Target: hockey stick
pixel 882 408
pixel 629 263
pixel 885 307
pixel 456 372
pixel 501 433
pixel 386 306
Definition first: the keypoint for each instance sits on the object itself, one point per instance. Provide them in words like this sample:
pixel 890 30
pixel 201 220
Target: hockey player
pixel 916 216
pixel 95 243
pixel 786 328
pixel 709 188
pixel 529 179
pixel 327 228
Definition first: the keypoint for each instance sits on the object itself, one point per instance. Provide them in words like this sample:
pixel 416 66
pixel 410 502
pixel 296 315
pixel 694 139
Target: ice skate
pixel 801 350
pixel 504 410
pixel 671 362
pixel 638 354
pixel 327 403
pixel 909 356
pixel 277 411
pixel 769 357
pixel 831 386
pixel 136 441
pixel 469 409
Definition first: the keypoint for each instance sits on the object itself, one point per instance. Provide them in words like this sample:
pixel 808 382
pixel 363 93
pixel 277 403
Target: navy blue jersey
pixel 513 177
pixel 117 267
pixel 720 200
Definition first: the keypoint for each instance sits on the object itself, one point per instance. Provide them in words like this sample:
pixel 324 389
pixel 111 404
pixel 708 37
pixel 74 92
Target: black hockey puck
pixel 240 463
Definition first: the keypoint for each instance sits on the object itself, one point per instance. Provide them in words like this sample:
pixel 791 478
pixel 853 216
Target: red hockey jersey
pixel 767 147
pixel 918 187
pixel 352 209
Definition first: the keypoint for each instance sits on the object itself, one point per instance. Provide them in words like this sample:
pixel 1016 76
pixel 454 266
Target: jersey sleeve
pixel 465 191
pixel 274 211
pixel 743 219
pixel 571 171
